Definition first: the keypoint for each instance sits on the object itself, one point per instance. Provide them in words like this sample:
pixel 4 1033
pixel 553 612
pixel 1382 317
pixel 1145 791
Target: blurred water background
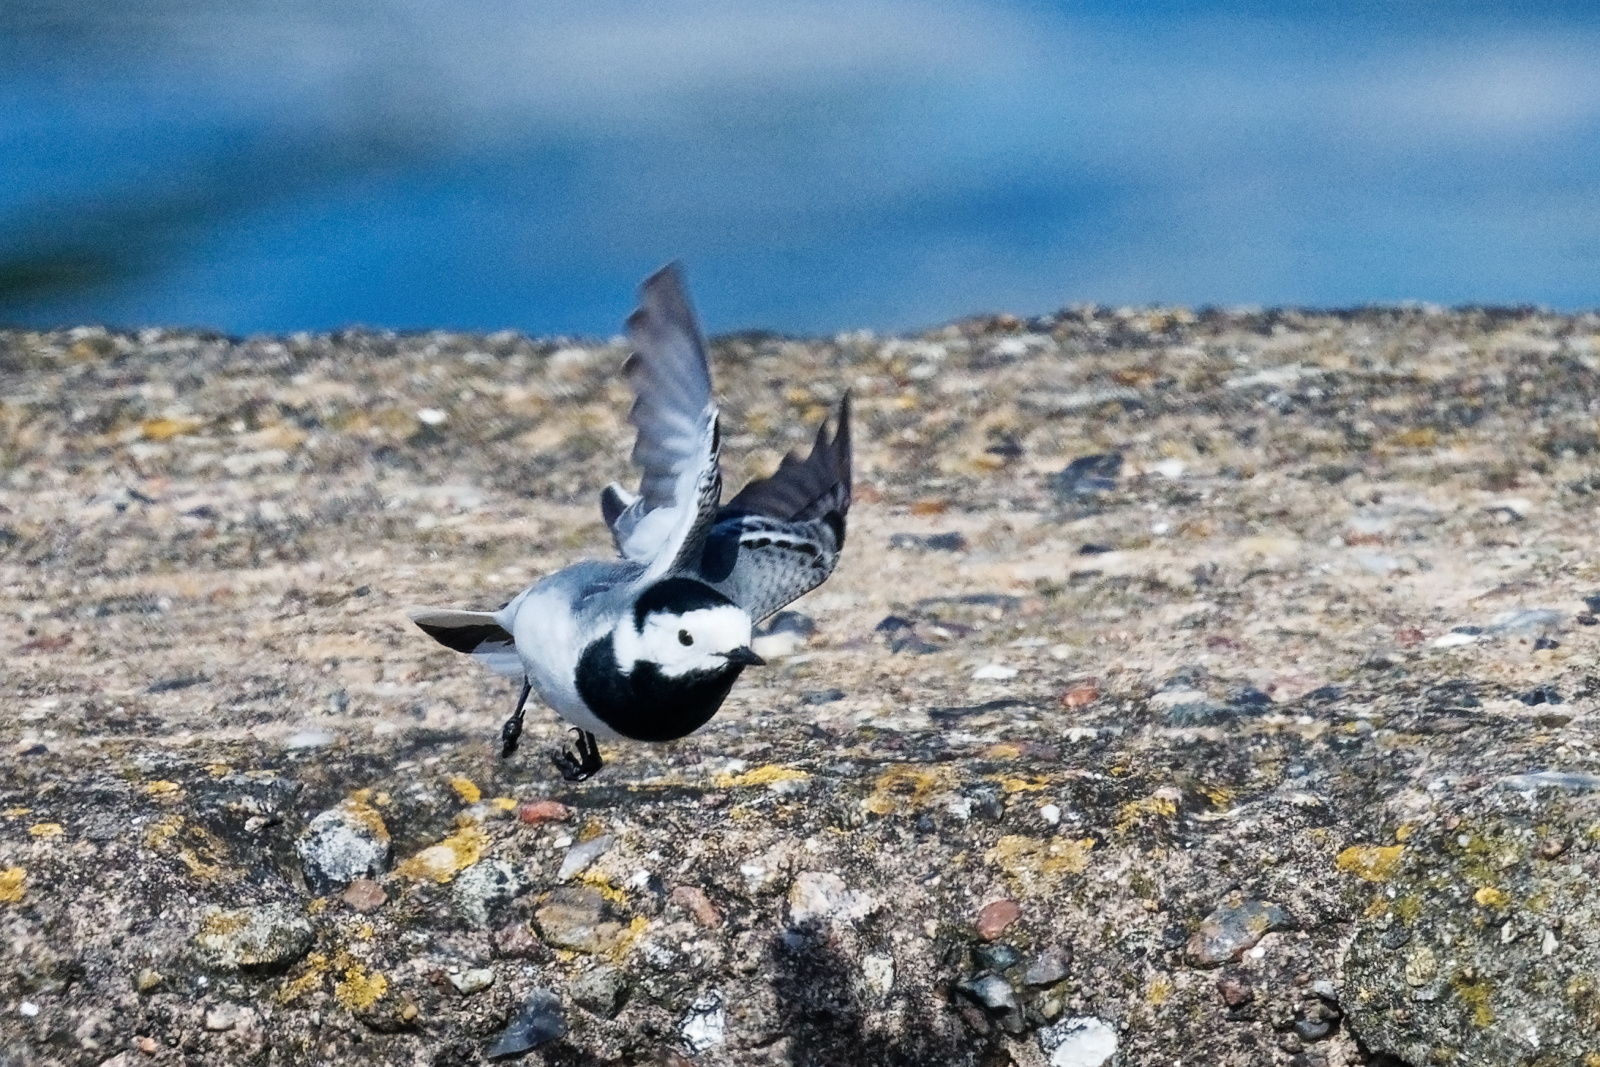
pixel 277 165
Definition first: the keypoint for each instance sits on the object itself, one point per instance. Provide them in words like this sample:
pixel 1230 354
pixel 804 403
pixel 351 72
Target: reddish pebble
pixel 1408 638
pixel 535 812
pixel 1235 989
pixel 694 900
pixel 517 941
pixel 147 1045
pixel 365 895
pixel 994 918
pixel 1081 695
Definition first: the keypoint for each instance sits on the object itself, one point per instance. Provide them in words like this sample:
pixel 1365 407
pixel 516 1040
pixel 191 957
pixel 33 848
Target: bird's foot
pixel 511 732
pixel 585 764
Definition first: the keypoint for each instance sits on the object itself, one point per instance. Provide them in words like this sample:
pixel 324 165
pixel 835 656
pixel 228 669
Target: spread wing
pixel 665 525
pixel 781 536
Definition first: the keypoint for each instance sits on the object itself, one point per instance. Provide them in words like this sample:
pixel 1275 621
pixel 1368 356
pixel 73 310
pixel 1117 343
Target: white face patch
pixel 696 640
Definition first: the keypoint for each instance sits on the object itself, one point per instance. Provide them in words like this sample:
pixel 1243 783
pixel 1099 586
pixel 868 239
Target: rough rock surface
pixel 1281 621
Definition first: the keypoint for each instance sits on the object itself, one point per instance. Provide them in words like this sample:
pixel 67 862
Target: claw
pixel 585 764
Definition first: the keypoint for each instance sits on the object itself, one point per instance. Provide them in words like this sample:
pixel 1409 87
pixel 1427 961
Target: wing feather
pixel 678 443
pixel 780 537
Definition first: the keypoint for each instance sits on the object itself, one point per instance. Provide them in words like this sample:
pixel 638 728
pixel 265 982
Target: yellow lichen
pixel 1135 810
pixel 1022 785
pixel 503 804
pixel 357 809
pixel 442 862
pixel 12 881
pixel 220 923
pixel 218 770
pixel 1375 863
pixel 317 905
pixel 1220 795
pixel 625 939
pixel 906 787
pixel 1409 908
pixel 316 967
pixel 46 829
pixel 161 832
pixel 1033 865
pixel 1403 832
pixel 1159 989
pixel 358 989
pixel 16 813
pixel 164 790
pixel 766 775
pixel 466 789
pixel 1490 897
pixel 603 884
pixel 1476 994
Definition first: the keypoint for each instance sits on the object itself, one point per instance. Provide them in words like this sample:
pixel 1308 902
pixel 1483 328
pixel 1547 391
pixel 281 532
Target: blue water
pixel 819 166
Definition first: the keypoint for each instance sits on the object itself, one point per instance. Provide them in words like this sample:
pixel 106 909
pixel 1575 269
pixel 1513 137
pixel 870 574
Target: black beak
pixel 745 657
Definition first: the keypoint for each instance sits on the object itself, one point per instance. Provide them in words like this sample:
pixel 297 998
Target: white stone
pixel 823 895
pixel 580 856
pixel 309 739
pixel 1454 640
pixel 994 672
pixel 431 416
pixel 1050 813
pixel 1080 1042
pixel 879 974
pixel 473 981
pixel 705 1026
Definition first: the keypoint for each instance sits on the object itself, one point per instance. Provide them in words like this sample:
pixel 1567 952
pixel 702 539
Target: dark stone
pixel 1249 700
pixel 1312 1029
pixel 1093 549
pixel 997 956
pixel 539 1020
pixel 1546 642
pixel 1395 937
pixel 1544 694
pixel 1087 475
pixel 822 696
pixel 893 624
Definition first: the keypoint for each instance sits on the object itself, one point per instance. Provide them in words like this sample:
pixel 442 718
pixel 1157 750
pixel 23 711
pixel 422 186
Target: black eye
pixel 684 638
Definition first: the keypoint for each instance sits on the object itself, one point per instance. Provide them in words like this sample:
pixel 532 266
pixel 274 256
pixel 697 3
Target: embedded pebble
pixel 1087 475
pixel 1232 929
pixel 992 992
pixel 822 696
pixel 267 937
pixel 343 843
pixel 1047 968
pixel 996 916
pixel 706 1025
pixel 303 739
pixel 472 981
pixel 878 973
pixel 575 918
pixel 540 1020
pixel 824 895
pixel 600 990
pixel 579 856
pixel 995 672
pixel 694 899
pixel 535 812
pixel 486 887
pixel 364 895
pixel 1235 989
pixel 1081 1042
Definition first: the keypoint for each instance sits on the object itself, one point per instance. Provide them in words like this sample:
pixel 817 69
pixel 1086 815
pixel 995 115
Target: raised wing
pixel 781 536
pixel 665 525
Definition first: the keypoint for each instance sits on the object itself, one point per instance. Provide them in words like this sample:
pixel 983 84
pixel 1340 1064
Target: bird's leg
pixel 512 730
pixel 585 764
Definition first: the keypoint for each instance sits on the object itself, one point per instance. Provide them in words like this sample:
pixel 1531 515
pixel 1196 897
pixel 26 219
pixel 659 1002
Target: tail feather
pixel 477 633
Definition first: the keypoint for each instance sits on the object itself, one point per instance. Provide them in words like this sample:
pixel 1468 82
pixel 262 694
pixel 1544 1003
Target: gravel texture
pixel 1216 689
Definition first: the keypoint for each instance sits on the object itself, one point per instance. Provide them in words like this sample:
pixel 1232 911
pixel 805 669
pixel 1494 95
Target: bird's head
pixel 684 627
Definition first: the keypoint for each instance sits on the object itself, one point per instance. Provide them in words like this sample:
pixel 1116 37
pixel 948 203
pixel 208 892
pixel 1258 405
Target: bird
pixel 646 646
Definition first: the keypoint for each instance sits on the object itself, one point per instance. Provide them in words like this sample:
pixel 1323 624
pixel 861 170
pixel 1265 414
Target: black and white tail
pixel 477 633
